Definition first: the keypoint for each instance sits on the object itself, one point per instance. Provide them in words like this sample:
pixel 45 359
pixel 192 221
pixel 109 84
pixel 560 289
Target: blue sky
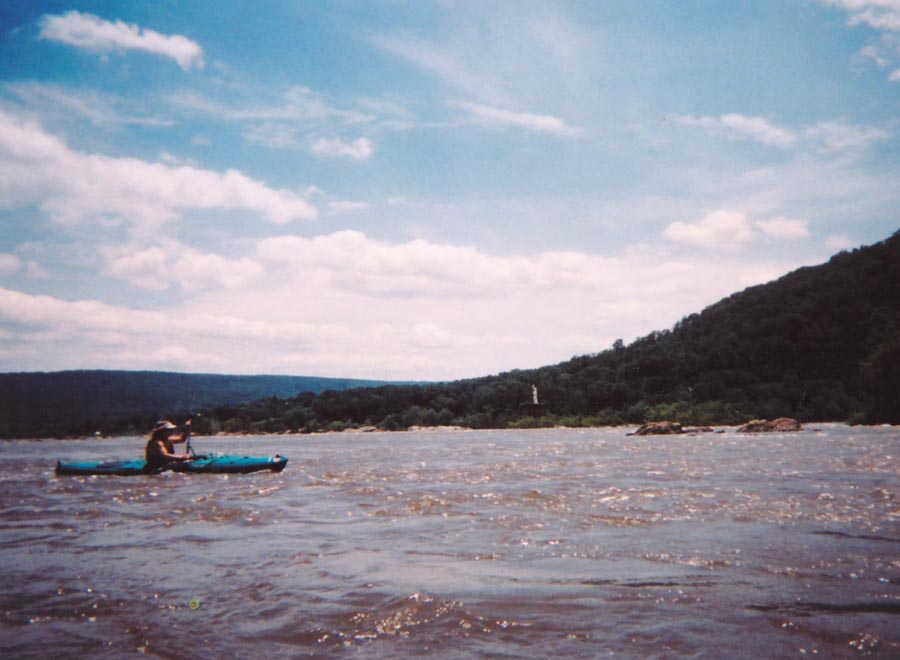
pixel 423 190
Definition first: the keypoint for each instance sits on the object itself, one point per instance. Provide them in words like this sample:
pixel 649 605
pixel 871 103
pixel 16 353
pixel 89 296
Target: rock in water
pixel 780 425
pixel 659 428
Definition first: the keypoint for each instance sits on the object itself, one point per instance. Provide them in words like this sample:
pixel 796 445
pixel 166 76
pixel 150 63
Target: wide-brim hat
pixel 164 424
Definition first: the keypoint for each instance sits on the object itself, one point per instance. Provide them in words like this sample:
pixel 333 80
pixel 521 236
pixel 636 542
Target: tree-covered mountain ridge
pixel 77 402
pixel 821 343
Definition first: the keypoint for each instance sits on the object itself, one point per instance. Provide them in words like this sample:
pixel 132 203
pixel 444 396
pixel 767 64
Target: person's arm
pixel 183 436
pixel 175 457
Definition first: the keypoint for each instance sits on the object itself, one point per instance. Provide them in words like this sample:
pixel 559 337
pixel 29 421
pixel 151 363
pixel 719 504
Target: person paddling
pixel 161 445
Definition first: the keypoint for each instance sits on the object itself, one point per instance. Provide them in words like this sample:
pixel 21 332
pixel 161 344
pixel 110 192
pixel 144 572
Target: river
pixel 555 543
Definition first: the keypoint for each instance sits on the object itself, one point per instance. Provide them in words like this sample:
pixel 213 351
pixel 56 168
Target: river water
pixel 470 544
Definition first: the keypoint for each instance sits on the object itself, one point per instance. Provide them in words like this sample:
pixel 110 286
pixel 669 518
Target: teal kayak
pixel 199 465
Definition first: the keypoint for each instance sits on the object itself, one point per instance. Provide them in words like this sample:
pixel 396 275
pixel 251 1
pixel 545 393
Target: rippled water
pixel 505 544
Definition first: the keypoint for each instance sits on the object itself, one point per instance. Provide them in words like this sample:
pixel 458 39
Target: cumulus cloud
pixel 731 230
pixel 147 269
pixel 96 334
pixel 359 149
pixel 736 125
pixel 500 118
pixel 64 317
pixel 346 304
pixel 720 229
pixel 94 34
pixel 163 266
pixel 71 186
pixel 349 262
pixel 197 270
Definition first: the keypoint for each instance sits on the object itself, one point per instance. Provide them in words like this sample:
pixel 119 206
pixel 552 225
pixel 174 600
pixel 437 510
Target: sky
pixel 423 190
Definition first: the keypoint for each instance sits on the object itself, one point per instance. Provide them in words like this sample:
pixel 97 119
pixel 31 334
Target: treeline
pixel 819 344
pixel 81 402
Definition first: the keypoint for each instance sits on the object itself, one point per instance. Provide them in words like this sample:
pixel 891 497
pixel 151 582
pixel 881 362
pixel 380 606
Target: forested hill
pixel 65 402
pixel 821 343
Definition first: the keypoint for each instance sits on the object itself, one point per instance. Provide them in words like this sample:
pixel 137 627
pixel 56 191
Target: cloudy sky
pixel 423 190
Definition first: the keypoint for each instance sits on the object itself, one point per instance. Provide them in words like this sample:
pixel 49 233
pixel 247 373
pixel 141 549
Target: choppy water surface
pixel 510 544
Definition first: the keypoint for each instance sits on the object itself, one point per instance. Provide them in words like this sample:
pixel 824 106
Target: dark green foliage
pixel 821 343
pixel 82 402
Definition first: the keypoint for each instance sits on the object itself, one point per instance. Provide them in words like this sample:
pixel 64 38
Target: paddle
pixel 186 429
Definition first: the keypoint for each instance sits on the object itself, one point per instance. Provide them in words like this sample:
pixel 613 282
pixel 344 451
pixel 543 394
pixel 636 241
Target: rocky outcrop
pixel 780 425
pixel 659 428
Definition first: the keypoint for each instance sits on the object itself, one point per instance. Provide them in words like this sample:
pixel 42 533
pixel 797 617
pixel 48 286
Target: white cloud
pixel 878 14
pixel 359 149
pixel 54 333
pixel 345 304
pixel 350 263
pixel 875 54
pixel 784 228
pixel 147 269
pixel 727 230
pixel 91 315
pixel 731 230
pixel 758 129
pixel 73 187
pixel 163 266
pixel 9 264
pixel 737 125
pixel 831 135
pixel 94 34
pixel 196 270
pixel 498 117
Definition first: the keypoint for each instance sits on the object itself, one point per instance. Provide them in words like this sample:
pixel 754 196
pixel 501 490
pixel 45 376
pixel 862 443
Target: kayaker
pixel 161 445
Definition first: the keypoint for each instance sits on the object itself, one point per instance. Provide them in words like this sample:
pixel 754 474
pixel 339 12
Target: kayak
pixel 199 465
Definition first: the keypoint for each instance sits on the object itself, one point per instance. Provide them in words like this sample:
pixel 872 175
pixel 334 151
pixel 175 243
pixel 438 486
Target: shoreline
pixel 808 427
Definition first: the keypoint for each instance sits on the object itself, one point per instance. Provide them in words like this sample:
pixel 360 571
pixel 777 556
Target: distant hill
pixel 41 404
